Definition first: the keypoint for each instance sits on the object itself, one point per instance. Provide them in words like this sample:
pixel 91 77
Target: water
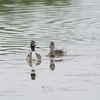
pixel 74 26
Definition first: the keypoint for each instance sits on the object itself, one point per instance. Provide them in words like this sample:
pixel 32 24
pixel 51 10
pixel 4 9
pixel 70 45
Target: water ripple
pixel 68 24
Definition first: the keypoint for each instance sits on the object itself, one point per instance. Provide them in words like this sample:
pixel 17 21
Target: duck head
pixel 32 45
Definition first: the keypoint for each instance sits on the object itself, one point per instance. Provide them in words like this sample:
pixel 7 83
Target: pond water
pixel 74 25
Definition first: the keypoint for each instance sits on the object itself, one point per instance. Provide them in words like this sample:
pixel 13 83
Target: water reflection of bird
pixel 33 75
pixel 54 53
pixel 52 64
pixel 33 63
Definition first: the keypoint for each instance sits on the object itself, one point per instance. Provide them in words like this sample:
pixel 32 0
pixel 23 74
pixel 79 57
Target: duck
pixel 33 55
pixel 54 53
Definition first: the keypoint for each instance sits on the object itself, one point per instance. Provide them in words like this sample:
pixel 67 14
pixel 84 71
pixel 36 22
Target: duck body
pixel 60 53
pixel 55 52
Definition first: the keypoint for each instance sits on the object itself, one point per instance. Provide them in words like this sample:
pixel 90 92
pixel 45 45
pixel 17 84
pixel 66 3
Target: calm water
pixel 74 25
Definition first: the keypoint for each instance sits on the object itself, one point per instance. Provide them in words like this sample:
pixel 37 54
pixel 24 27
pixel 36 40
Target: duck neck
pixel 52 53
pixel 34 55
pixel 51 50
pixel 33 48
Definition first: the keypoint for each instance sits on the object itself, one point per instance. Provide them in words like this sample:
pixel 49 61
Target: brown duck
pixel 54 53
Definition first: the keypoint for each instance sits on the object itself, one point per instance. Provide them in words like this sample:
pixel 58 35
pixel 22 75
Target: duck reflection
pixel 33 74
pixel 52 64
pixel 33 63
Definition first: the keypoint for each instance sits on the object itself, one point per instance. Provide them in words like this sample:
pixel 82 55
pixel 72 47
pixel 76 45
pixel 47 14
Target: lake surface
pixel 74 25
